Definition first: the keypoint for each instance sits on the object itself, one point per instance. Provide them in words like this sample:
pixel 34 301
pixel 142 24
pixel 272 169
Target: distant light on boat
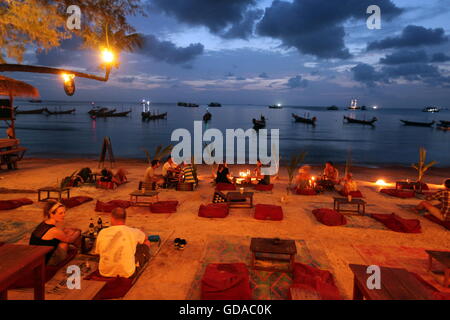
pixel 381 183
pixel 375 107
pixel 278 104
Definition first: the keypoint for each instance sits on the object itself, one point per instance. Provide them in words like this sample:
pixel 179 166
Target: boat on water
pixel 187 105
pixel 96 110
pixel 445 123
pixel 304 119
pixel 276 106
pixel 259 124
pixel 333 108
pixel 207 116
pixel 214 104
pixel 354 105
pixel 431 109
pixel 363 108
pixel 156 116
pixel 363 122
pixel 36 111
pixel 112 113
pixel 418 124
pixel 59 112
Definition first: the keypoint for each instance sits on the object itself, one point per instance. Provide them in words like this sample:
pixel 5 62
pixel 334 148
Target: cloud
pixel 65 54
pixel 297 82
pixel 366 74
pixel 400 57
pixel 230 18
pixel 411 36
pixel 440 57
pixel 167 51
pixel 316 27
pixel 126 79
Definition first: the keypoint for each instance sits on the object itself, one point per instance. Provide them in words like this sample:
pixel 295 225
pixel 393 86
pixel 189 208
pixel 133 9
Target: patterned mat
pixel 265 285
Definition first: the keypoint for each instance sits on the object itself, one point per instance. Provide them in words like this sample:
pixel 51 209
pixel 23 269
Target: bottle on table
pixel 99 224
pixel 91 227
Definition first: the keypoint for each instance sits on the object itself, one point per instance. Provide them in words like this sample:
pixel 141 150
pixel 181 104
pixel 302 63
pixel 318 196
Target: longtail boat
pixel 214 104
pixel 112 113
pixel 59 112
pixel 36 111
pixel 149 116
pixel 418 124
pixel 259 124
pixel 445 123
pixel 305 120
pixel 207 116
pixel 96 110
pixel 363 122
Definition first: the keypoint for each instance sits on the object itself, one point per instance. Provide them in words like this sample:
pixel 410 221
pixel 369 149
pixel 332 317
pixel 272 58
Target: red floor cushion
pixel 106 185
pixel 264 187
pixel 398 224
pixel 404 194
pixel 75 201
pixel 329 217
pixel 445 224
pixel 213 210
pixel 319 281
pixel 354 194
pixel 14 203
pixel 27 281
pixel 226 281
pixel 111 205
pixel 225 187
pixel 115 287
pixel 164 207
pixel 268 212
pixel 306 192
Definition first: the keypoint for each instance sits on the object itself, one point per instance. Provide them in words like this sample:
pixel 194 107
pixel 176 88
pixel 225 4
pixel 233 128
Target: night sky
pixel 299 52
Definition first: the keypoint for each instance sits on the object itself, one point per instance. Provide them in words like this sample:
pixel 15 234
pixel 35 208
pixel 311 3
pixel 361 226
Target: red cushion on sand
pixel 329 217
pixel 75 201
pixel 225 187
pixel 264 187
pixel 268 212
pixel 404 194
pixel 445 224
pixel 213 210
pixel 14 203
pixel 398 224
pixel 354 194
pixel 226 281
pixel 106 185
pixel 306 192
pixel 316 280
pixel 164 207
pixel 115 287
pixel 111 205
pixel 27 281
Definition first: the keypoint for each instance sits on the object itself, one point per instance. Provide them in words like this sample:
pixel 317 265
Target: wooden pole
pixel 11 104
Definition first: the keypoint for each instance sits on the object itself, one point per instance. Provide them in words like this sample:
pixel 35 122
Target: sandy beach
pixel 171 273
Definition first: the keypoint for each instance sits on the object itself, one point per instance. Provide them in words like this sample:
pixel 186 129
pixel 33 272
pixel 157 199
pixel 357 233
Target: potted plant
pixel 422 167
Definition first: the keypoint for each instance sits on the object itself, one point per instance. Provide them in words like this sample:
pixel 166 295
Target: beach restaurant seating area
pixel 239 238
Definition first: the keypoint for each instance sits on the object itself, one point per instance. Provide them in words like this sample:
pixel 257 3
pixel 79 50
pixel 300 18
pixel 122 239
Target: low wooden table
pixel 49 190
pixel 344 201
pixel 442 257
pixel 268 246
pixel 17 260
pixel 396 284
pixel 134 197
pixel 248 196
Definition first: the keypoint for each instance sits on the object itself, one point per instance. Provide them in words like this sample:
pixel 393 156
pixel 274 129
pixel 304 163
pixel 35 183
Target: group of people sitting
pixel 171 174
pixel 329 180
pixel 123 250
pixel 223 174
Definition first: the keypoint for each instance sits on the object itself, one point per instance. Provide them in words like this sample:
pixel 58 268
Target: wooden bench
pixel 12 156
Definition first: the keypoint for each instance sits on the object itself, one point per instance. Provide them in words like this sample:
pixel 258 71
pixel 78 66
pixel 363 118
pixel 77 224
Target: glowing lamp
pixel 69 83
pixel 107 56
pixel 381 183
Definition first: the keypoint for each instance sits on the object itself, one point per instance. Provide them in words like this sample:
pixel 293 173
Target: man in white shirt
pixel 123 250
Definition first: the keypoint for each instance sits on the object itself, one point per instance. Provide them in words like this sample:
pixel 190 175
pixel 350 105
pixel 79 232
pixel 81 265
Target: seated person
pixel 106 175
pixel 150 177
pixel 223 174
pixel 349 185
pixel 123 250
pixel 330 176
pixel 261 178
pixel 442 210
pixel 171 171
pixel 188 173
pixel 303 178
pixel 120 177
pixel 47 233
